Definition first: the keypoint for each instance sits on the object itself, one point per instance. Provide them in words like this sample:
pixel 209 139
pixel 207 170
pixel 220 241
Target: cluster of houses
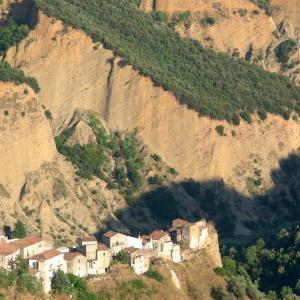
pixel 90 257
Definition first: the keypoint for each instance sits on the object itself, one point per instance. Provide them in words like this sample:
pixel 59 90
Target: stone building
pixel 138 260
pixel 115 241
pixel 194 234
pixel 76 263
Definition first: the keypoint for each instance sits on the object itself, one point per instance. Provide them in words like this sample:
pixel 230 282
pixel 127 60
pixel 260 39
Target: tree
pixel 60 283
pixel 123 257
pixel 217 293
pixel 20 230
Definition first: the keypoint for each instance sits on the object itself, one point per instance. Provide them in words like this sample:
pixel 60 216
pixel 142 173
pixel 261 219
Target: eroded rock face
pixel 75 73
pixel 26 140
pixel 37 185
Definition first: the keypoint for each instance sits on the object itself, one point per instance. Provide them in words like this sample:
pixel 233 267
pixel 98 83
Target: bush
pixel 220 130
pixel 159 17
pixel 208 21
pixel 20 230
pixel 246 117
pixel 217 293
pixel 263 4
pixel 262 114
pixel 237 286
pixel 123 257
pixel 7 73
pixel 155 180
pixel 284 49
pixel 48 114
pixel 11 34
pixel 154 274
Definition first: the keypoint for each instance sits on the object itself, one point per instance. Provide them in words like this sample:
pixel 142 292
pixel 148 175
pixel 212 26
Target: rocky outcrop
pixel 37 185
pixel 26 140
pixel 82 135
pixel 76 73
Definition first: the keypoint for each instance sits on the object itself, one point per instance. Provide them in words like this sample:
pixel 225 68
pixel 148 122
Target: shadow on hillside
pixel 24 12
pixel 230 210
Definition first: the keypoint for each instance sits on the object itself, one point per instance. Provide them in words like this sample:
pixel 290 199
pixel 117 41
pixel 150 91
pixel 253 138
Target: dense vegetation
pixel 213 84
pixel 76 287
pixel 284 49
pixel 94 159
pixel 20 278
pixel 11 34
pixel 273 265
pixel 7 73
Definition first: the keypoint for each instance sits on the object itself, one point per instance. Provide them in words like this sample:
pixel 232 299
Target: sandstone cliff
pixel 37 185
pixel 241 28
pixel 75 73
pixel 26 140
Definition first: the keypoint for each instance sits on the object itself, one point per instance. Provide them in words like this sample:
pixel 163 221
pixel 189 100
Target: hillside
pixel 210 83
pixel 90 77
pixel 256 34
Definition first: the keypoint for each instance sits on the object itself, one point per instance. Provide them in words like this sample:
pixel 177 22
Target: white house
pixel 8 253
pixel 47 263
pixel 134 242
pixel 33 245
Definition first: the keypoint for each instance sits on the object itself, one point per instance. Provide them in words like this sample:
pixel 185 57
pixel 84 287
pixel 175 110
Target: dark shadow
pixel 24 12
pixel 232 212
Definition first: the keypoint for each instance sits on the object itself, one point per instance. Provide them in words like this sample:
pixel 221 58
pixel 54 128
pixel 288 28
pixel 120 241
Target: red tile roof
pixel 72 255
pixel 88 239
pixel 180 222
pixel 102 247
pixel 110 234
pixel 46 255
pixel 131 250
pixel 158 234
pixel 7 248
pixel 28 241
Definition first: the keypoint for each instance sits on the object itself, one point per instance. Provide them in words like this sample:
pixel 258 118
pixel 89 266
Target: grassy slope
pixel 212 84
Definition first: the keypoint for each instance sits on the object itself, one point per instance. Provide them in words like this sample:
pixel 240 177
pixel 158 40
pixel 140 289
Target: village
pixel 91 258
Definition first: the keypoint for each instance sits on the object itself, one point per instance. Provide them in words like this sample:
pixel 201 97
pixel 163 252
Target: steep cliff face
pixel 240 29
pixel 37 185
pixel 26 140
pixel 75 73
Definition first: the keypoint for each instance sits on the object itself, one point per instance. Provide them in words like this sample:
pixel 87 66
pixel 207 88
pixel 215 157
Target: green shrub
pixel 7 73
pixel 123 257
pixel 20 230
pixel 284 49
pixel 246 117
pixel 208 21
pixel 159 17
pixel 154 274
pixel 11 34
pixel 217 293
pixel 48 114
pixel 237 286
pixel 262 114
pixel 220 130
pixel 155 180
pixel 242 12
pixel 263 4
